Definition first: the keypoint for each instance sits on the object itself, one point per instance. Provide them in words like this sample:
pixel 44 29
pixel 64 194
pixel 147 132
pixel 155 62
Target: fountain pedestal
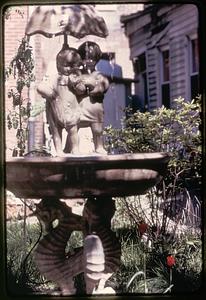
pixel 96 178
pixel 74 94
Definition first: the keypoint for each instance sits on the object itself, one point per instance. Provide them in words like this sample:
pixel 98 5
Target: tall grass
pixel 143 266
pixel 170 227
pixel 23 276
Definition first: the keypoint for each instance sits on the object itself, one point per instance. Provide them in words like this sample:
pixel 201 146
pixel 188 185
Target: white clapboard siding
pixel 184 20
pixel 166 9
pixel 137 23
pixel 182 11
pixel 183 23
pixel 186 29
pixel 138 37
pixel 177 67
pixel 137 43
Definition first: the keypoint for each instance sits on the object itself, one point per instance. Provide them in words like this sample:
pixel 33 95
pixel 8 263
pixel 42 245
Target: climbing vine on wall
pixel 21 68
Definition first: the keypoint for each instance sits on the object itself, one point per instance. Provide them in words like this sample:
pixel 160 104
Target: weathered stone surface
pixel 83 176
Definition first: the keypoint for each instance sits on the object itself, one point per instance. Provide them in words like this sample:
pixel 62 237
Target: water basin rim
pixel 92 158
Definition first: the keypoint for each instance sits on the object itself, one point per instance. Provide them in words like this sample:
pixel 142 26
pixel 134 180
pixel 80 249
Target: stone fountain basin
pixel 82 176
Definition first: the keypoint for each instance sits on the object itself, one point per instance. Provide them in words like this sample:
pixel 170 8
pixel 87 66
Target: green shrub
pixel 176 131
pixel 174 202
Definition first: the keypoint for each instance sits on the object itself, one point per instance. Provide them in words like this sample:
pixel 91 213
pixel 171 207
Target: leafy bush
pixel 176 131
pixel 166 221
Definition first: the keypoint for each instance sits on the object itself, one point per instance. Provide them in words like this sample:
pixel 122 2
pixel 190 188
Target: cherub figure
pixel 74 97
pixel 90 87
pixel 62 107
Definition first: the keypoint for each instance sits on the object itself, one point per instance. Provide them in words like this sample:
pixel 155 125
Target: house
pixel 163 41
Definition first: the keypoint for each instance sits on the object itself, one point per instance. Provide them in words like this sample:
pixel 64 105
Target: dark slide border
pixel 202 35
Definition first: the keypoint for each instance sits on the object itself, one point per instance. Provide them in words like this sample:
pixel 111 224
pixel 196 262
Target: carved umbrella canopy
pixel 75 20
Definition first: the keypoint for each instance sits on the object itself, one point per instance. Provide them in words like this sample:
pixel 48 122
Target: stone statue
pixel 62 107
pixel 89 88
pixel 75 97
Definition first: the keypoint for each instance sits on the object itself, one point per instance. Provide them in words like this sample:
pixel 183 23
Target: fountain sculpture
pixel 74 96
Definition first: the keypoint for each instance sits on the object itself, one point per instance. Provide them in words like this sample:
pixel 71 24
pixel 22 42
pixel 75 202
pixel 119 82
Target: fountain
pixel 96 178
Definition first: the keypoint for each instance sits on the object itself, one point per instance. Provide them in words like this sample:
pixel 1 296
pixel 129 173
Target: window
pixel 165 78
pixel 140 68
pixel 194 68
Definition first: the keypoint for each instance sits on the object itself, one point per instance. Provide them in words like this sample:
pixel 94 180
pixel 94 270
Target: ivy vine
pixel 21 68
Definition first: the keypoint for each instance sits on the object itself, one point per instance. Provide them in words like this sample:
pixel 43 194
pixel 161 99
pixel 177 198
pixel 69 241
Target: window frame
pixel 143 78
pixel 188 37
pixel 164 83
pixel 193 75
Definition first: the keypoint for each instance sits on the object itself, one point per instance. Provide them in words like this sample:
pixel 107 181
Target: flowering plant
pixel 142 228
pixel 170 261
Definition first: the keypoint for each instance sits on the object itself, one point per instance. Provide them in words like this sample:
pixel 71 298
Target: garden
pixel 160 232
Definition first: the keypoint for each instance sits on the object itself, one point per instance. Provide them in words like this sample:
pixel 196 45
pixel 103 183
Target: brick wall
pixel 14 31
